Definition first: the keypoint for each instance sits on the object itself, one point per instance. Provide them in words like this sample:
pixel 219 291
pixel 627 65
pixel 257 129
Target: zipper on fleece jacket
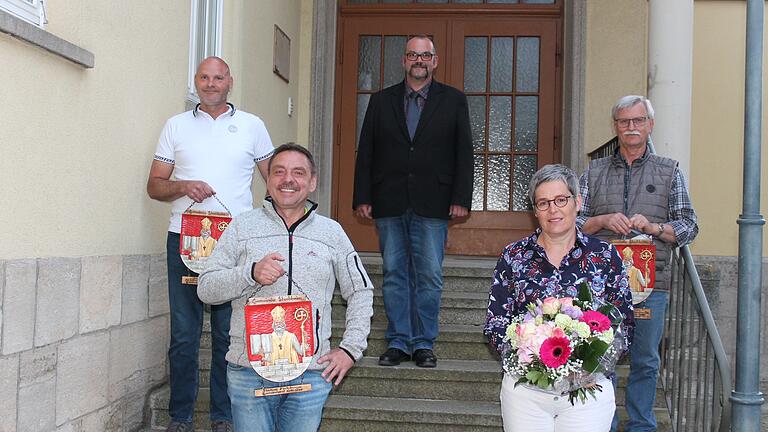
pixel 291 229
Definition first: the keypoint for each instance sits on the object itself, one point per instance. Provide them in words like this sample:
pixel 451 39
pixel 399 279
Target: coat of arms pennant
pixel 279 340
pixel 200 231
pixel 639 259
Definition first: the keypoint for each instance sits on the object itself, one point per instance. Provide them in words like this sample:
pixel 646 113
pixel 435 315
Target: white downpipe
pixel 670 76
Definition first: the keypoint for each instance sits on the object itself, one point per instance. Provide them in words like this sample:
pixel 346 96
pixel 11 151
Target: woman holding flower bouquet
pixel 560 316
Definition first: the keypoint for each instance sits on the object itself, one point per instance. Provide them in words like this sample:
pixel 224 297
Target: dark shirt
pixel 523 275
pixel 421 98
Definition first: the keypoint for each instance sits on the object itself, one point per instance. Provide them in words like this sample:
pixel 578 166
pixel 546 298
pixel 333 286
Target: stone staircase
pixel 460 394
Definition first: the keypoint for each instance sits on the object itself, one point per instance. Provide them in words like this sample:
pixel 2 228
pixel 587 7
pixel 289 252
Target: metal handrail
pixel 697 398
pixel 695 373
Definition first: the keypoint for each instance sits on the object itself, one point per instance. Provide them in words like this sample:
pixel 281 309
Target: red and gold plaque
pixel 200 231
pixel 279 338
pixel 639 258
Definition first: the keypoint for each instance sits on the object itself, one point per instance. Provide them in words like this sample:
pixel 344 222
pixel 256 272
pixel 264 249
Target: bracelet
pixel 661 230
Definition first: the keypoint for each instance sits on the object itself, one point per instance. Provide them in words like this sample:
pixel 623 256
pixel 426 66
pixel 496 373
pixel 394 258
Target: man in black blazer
pixel 414 173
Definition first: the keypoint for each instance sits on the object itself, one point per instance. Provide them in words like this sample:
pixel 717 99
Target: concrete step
pixel 456 307
pixel 461 394
pixel 663 421
pixel 459 273
pixel 456 341
pixel 466 380
pixel 158 404
pixel 381 414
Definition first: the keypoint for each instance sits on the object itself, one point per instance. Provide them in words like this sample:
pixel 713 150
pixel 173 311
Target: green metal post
pixel 746 399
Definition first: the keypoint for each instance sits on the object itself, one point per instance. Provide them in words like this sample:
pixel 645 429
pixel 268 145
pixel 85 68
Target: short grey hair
pixel 553 172
pixel 630 101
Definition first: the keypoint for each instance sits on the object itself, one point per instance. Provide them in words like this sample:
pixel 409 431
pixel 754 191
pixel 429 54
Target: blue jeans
pixel 412 248
pixel 297 412
pixel 186 328
pixel 644 365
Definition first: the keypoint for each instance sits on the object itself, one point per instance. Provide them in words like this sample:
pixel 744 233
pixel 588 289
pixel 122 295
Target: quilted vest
pixel 644 188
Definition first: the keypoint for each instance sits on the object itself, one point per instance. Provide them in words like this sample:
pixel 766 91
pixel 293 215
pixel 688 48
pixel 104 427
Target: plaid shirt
pixel 421 99
pixel 681 216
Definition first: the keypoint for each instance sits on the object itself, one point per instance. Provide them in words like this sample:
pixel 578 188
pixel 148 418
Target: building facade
pixel 83 301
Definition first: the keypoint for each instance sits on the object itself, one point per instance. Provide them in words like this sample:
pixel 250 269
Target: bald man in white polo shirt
pixel 211 150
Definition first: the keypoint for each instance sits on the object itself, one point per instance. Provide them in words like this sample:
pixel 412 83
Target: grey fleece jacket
pixel 317 254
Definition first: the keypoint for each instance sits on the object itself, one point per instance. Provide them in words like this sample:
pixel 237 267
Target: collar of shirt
pixel 619 160
pixel 229 112
pixel 533 244
pixel 423 92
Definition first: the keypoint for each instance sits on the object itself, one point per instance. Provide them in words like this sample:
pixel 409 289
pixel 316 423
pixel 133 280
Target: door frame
pixel 323 91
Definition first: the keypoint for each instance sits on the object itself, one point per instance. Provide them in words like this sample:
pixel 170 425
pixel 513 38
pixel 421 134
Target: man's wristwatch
pixel 661 230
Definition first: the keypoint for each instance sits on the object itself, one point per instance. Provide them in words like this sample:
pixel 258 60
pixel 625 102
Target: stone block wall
pixel 719 278
pixel 83 341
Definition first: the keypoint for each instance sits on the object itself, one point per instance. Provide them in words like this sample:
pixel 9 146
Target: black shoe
pixel 424 358
pixel 393 357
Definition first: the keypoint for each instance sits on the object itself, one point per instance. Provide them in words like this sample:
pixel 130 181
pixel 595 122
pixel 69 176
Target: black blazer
pixel 428 174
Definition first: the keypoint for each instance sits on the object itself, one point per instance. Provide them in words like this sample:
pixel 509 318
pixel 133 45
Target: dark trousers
pixel 186 329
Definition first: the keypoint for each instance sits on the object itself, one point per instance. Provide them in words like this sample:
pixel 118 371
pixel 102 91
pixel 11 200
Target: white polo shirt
pixel 221 152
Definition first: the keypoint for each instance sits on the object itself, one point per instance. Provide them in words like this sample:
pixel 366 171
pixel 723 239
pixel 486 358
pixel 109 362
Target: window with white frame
pixel 205 37
pixel 31 11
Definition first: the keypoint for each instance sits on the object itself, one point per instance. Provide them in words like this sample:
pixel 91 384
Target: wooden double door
pixel 509 69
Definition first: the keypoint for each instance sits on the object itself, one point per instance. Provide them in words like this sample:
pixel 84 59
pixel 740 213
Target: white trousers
pixel 527 410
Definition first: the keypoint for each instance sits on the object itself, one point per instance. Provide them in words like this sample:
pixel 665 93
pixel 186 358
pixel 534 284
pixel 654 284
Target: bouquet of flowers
pixel 561 344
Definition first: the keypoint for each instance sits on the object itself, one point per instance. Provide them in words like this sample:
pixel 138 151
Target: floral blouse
pixel 523 275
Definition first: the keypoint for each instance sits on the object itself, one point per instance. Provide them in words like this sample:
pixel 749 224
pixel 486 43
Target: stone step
pixel 158 404
pixel 468 380
pixel 663 421
pixel 345 412
pixel 381 414
pixel 459 273
pixel 456 341
pixel 456 307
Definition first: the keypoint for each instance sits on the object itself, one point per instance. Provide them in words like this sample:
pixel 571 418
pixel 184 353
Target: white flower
pixel 582 329
pixel 606 336
pixel 563 321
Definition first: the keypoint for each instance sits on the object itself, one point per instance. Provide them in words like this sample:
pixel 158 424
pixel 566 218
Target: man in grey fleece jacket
pixel 280 249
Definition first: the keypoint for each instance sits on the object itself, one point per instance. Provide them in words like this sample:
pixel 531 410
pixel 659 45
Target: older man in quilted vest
pixel 634 191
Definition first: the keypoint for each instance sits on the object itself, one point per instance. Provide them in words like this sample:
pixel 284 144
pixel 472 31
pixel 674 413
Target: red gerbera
pixel 554 351
pixel 596 320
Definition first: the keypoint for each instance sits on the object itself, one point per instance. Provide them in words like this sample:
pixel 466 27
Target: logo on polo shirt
pixel 232 128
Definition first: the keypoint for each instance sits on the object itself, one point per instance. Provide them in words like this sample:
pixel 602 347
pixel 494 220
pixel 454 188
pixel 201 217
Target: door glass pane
pixel 394 47
pixel 500 124
pixel 498 182
pixel 501 64
pixel 527 64
pixel 362 105
pixel 525 167
pixel 475 61
pixel 526 123
pixel 369 67
pixel 361 1
pixel 397 1
pixel 502 1
pixel 477 120
pixel 431 1
pixel 479 183
pixel 467 1
pixel 539 1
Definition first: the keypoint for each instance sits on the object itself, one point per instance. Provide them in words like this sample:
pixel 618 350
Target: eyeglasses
pixel 560 202
pixel 638 121
pixel 413 56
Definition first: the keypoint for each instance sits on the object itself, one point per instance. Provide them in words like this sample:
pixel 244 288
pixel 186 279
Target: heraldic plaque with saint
pixel 279 338
pixel 639 258
pixel 200 230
